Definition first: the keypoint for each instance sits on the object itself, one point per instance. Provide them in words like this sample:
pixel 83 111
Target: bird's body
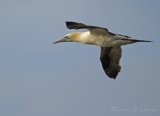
pixel 102 40
pixel 92 39
pixel 109 42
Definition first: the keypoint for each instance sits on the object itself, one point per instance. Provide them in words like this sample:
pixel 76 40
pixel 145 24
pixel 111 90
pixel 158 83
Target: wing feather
pixel 110 57
pixel 92 29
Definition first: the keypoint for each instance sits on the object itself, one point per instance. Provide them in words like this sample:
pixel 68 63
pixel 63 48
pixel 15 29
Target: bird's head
pixel 71 37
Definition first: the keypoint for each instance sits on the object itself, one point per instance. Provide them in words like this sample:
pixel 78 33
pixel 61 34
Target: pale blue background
pixel 38 78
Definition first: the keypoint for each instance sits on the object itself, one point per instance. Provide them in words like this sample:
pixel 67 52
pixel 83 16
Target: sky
pixel 38 78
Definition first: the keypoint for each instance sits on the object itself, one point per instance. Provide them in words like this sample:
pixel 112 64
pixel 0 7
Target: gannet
pixel 109 42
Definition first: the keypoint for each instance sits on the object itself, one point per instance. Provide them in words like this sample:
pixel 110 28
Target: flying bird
pixel 109 42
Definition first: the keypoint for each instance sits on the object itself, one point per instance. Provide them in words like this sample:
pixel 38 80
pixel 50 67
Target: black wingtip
pixel 113 78
pixel 70 24
pixel 114 74
pixel 74 25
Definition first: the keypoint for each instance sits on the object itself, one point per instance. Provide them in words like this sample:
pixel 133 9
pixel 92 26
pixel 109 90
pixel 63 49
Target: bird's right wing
pixel 92 29
pixel 110 57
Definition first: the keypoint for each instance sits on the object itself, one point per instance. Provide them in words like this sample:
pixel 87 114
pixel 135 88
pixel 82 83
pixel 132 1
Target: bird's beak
pixel 65 39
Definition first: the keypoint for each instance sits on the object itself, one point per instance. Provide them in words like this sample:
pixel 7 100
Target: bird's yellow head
pixel 71 37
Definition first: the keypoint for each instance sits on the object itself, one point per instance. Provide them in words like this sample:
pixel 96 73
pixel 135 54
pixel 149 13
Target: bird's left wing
pixel 110 57
pixel 92 29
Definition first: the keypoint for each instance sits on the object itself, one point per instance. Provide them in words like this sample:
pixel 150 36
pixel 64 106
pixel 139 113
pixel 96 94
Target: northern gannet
pixel 109 42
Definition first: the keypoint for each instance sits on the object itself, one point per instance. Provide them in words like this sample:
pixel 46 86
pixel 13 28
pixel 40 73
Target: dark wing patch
pixel 75 25
pixel 110 57
pixel 92 29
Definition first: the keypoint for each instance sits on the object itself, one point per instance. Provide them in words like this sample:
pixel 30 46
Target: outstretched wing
pixel 92 29
pixel 110 57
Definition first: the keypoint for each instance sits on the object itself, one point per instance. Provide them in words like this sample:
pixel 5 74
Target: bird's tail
pixel 125 41
pixel 136 40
